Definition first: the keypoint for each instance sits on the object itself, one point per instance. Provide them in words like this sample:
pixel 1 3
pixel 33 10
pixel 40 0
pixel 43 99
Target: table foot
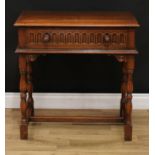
pixel 127 132
pixel 24 131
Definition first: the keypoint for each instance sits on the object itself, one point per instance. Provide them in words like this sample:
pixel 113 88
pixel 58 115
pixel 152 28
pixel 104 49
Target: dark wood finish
pixel 130 64
pixel 110 33
pixel 30 101
pixel 123 90
pixel 23 96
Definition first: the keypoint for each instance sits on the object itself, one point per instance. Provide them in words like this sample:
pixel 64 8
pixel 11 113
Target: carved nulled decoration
pixel 80 38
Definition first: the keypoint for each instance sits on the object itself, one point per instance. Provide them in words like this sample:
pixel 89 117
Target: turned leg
pixel 30 101
pixel 128 105
pixel 23 103
pixel 123 89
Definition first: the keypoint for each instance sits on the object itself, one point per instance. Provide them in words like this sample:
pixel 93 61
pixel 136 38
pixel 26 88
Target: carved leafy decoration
pixel 32 57
pixel 121 58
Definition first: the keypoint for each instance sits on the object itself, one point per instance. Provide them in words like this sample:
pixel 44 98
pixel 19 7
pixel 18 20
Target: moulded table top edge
pixel 74 51
pixel 76 19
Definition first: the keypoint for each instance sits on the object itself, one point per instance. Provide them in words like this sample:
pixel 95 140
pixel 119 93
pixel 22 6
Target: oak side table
pixel 47 32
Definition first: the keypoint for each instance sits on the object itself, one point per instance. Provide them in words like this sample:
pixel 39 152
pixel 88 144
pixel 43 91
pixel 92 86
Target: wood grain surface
pixel 76 139
pixel 81 18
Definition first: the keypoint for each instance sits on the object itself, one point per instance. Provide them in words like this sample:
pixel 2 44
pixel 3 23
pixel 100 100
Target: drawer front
pixel 74 38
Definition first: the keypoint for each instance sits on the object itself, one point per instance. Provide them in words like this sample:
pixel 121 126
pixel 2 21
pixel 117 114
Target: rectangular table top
pixel 76 19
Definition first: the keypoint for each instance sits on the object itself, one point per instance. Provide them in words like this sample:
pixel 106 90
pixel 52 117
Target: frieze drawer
pixel 75 38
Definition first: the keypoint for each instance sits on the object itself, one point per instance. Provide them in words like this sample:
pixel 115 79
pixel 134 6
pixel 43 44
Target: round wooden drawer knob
pixel 46 37
pixel 107 38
